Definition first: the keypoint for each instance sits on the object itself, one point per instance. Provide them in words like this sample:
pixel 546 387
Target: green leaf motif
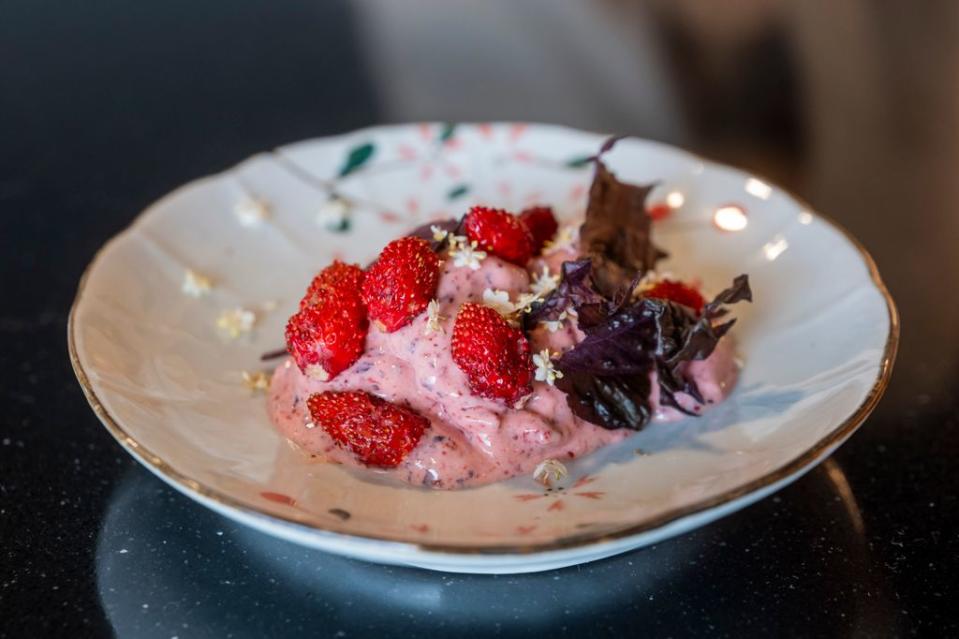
pixel 449 128
pixel 579 162
pixel 458 191
pixel 358 156
pixel 341 225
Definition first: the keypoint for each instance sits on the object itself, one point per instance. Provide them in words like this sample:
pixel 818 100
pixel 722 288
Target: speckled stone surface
pixel 105 107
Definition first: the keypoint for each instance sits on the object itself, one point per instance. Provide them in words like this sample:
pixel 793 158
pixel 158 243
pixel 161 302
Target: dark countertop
pixel 106 106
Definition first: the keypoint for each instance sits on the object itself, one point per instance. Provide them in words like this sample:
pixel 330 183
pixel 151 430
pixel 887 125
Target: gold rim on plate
pixel 809 458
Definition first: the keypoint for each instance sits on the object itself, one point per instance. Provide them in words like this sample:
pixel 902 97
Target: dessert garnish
pixel 500 233
pixel 338 276
pixel 631 332
pixel 542 225
pixel 545 370
pixel 327 334
pixel 616 232
pixel 250 211
pixel 465 253
pixel 256 381
pixel 606 376
pixel 433 318
pixel 564 240
pixel 549 472
pixel 236 321
pixel 401 283
pixel 378 432
pixel 195 284
pixel 499 301
pixel 494 355
pixel 543 283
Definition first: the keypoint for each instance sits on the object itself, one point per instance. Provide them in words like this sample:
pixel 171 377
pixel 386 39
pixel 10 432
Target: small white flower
pixel 310 425
pixel 525 302
pixel 457 241
pixel 257 381
pixel 236 321
pixel 195 285
pixel 466 254
pixel 544 283
pixel 332 214
pixel 433 318
pixel 564 239
pixel 250 211
pixel 554 325
pixel 545 371
pixel 550 471
pixel 438 234
pixel 498 301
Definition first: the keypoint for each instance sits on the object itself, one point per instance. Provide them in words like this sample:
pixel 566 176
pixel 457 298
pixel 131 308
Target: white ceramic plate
pixel 818 344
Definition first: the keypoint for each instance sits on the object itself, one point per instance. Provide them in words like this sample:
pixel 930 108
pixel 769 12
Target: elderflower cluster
pixel 257 381
pixel 195 284
pixel 549 472
pixel 250 211
pixel 544 283
pixel 565 238
pixel 439 234
pixel 546 371
pixel 554 325
pixel 235 322
pixel 500 302
pixel 464 253
pixel 433 318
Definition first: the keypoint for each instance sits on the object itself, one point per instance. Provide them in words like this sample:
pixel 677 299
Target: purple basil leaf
pixel 574 289
pixel 623 345
pixel 699 340
pixel 738 292
pixel 616 231
pixel 642 336
pixel 608 401
pixel 424 231
pixel 589 316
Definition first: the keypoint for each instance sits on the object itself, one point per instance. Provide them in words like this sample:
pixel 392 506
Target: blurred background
pixel 854 105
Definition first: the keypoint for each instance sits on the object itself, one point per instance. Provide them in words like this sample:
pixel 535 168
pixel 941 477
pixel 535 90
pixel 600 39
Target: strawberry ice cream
pixel 498 345
pixel 471 440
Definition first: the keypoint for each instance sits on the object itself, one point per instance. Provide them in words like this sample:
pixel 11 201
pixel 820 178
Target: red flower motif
pixel 591 494
pixel 527 497
pixel 279 498
pixel 585 479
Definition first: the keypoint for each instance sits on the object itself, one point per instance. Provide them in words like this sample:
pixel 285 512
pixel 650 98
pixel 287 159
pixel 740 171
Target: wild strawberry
pixel 379 433
pixel 347 278
pixel 327 337
pixel 659 211
pixel 677 292
pixel 402 281
pixel 499 232
pixel 541 224
pixel 494 355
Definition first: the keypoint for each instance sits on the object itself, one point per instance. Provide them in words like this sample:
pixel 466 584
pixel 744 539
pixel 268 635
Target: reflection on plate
pixel 165 375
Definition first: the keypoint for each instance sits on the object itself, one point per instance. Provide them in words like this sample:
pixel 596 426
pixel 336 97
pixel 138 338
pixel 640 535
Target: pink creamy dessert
pixel 472 440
